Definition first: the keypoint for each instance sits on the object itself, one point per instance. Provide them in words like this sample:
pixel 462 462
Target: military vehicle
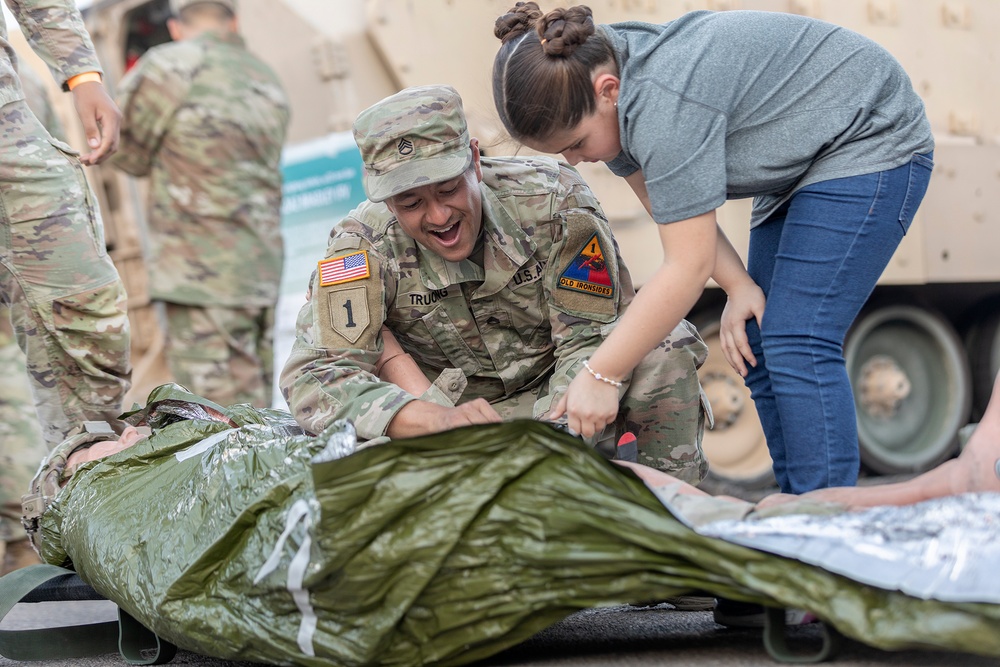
pixel 921 356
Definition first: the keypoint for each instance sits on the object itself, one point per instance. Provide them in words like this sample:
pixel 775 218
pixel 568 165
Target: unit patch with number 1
pixel 588 272
pixel 346 310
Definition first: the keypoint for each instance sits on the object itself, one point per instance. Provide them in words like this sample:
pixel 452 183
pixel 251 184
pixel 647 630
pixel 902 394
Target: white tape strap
pixel 298 513
pixel 203 446
pixel 296 573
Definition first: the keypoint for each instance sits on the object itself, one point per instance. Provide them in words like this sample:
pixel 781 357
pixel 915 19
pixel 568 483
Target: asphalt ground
pixel 615 636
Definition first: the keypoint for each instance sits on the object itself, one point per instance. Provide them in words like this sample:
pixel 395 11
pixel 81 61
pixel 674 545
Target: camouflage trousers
pixel 23 447
pixel 67 303
pixel 662 404
pixel 223 354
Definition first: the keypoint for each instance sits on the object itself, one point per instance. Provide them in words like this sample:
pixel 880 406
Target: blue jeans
pixel 817 258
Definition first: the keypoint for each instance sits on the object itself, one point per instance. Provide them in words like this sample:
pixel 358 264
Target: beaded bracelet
pixel 598 376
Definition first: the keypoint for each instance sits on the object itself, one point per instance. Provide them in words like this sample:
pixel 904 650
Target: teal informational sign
pixel 322 183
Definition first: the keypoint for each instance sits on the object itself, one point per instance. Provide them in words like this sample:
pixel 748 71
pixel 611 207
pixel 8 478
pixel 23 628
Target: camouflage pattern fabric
pixel 517 323
pixel 66 299
pixel 23 447
pixel 21 444
pixel 223 353
pixel 415 137
pixel 206 121
pixel 55 31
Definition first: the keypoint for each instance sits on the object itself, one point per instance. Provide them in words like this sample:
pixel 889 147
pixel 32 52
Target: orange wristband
pixel 75 81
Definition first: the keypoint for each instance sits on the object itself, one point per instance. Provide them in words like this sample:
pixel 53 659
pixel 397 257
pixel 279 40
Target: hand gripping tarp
pixel 252 544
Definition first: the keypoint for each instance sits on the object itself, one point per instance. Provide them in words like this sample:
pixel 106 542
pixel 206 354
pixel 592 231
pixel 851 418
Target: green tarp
pixel 234 543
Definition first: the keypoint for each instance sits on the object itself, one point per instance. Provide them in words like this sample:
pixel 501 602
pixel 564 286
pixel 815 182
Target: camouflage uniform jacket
pixel 526 314
pixel 55 31
pixel 206 120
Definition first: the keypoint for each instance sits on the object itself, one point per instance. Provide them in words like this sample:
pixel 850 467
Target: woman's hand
pixel 589 405
pixel 744 303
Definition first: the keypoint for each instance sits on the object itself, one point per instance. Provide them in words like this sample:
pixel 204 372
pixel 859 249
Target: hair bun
pixel 519 19
pixel 562 31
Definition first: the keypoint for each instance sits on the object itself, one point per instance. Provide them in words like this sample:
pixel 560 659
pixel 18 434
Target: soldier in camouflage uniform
pixel 66 302
pixel 23 445
pixel 498 276
pixel 206 120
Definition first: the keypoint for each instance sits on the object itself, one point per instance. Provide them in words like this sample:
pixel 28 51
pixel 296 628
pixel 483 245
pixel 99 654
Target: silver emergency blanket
pixel 946 549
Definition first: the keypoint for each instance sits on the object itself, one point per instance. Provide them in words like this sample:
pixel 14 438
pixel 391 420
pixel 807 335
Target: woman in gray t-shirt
pixel 819 124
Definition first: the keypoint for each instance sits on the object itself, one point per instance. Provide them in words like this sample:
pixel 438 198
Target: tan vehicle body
pixel 923 354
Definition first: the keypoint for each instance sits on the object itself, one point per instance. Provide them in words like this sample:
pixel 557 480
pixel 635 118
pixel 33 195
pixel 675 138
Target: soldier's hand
pixel 418 418
pixel 743 304
pixel 589 405
pixel 101 120
pixel 478 411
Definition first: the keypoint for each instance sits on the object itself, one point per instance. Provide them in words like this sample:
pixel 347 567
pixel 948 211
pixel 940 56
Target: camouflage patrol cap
pixel 416 137
pixel 177 5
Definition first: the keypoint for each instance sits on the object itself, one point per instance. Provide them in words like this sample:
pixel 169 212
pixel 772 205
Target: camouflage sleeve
pixel 40 102
pixel 55 31
pixel 330 372
pixel 149 96
pixel 586 284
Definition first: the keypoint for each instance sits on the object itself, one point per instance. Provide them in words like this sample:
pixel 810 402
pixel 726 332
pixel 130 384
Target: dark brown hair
pixel 542 73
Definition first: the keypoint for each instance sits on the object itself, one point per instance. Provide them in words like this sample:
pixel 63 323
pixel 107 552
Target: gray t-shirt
pixel 727 105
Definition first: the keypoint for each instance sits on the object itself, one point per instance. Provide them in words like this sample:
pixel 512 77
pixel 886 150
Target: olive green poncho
pixel 236 543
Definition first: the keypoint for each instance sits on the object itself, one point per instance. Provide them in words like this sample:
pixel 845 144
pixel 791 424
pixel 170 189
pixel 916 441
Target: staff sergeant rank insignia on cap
pixel 588 271
pixel 344 269
pixel 405 146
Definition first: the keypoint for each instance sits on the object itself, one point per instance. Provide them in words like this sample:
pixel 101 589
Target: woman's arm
pixel 745 300
pixel 637 182
pixel 665 299
pixel 689 250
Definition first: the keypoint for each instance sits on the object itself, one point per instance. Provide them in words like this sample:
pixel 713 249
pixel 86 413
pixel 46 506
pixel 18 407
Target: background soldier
pixel 206 120
pixel 66 301
pixel 21 448
pixel 497 276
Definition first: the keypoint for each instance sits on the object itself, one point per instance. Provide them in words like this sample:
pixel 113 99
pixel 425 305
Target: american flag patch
pixel 344 269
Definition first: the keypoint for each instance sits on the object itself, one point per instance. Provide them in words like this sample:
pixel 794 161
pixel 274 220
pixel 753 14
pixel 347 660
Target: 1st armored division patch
pixel 588 272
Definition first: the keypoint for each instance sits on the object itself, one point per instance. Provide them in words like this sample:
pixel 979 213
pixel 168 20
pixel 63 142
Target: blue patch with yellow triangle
pixel 588 272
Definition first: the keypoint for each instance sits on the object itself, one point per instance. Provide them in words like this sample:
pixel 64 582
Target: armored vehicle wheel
pixel 912 388
pixel 983 344
pixel 735 448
